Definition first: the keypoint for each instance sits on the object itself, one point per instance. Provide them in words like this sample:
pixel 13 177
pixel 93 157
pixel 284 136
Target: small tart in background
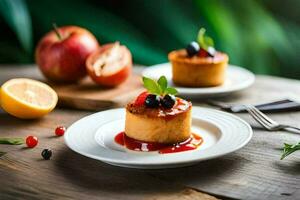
pixel 198 71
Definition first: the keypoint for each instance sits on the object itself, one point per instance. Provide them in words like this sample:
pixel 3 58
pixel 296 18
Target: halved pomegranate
pixel 110 65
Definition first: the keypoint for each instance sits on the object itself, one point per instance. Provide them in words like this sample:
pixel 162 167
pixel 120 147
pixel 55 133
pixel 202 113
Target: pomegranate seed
pixel 31 141
pixel 60 130
pixel 140 100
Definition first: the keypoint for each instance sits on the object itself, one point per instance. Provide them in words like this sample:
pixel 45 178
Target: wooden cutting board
pixel 86 95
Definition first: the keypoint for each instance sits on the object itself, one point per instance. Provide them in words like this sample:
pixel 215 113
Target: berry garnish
pixel 157 90
pixel 46 154
pixel 168 101
pixel 31 141
pixel 140 100
pixel 192 48
pixel 203 53
pixel 60 130
pixel 152 101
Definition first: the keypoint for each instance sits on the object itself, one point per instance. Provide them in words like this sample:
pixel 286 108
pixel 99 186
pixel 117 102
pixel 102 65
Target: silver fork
pixel 267 122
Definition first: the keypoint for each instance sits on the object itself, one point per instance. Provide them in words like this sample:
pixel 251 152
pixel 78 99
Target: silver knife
pixel 274 106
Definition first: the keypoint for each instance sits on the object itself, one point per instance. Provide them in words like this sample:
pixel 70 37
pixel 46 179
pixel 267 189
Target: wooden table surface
pixel 254 172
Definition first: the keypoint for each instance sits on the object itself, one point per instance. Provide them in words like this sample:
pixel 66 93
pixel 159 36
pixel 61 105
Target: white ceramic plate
pixel 93 136
pixel 237 79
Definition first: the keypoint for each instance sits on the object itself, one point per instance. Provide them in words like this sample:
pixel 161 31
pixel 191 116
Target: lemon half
pixel 27 98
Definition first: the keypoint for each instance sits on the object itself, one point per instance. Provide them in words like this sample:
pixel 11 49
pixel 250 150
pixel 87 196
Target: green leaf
pixel 17 16
pixel 203 40
pixel 12 141
pixel 2 153
pixel 151 85
pixel 171 90
pixel 288 149
pixel 163 83
pixel 200 37
pixel 209 41
pixel 159 87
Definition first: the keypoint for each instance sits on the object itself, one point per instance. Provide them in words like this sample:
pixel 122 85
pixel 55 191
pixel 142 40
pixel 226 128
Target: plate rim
pixel 135 163
pixel 210 90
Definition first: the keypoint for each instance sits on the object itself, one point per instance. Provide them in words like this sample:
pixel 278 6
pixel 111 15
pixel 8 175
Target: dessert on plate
pixel 151 118
pixel 157 120
pixel 199 65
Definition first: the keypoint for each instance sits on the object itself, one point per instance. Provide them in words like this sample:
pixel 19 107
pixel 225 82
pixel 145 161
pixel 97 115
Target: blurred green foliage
pixel 262 36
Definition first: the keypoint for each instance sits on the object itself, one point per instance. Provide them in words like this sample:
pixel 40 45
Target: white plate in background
pixel 237 79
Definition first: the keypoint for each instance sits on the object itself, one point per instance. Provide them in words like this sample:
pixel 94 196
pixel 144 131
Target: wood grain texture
pixel 254 172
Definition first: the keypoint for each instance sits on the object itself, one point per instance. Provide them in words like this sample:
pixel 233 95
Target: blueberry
pixel 168 101
pixel 152 101
pixel 192 48
pixel 46 154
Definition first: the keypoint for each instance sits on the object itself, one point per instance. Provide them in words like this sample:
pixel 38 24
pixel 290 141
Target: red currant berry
pixel 31 141
pixel 59 131
pixel 203 53
pixel 140 100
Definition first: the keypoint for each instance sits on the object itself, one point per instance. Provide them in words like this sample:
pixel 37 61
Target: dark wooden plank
pixel 254 172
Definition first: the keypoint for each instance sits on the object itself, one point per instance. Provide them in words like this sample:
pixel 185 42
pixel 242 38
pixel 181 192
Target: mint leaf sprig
pixel 159 87
pixel 204 41
pixel 12 141
pixel 289 148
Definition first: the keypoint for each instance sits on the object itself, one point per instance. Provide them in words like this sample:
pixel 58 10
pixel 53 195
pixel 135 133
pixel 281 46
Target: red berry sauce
pixel 190 144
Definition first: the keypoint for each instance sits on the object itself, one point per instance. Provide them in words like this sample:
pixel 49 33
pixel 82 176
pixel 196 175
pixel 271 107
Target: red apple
pixel 61 53
pixel 110 65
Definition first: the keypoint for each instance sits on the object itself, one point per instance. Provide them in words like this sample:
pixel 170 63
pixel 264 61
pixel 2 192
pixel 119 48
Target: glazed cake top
pixel 181 106
pixel 181 56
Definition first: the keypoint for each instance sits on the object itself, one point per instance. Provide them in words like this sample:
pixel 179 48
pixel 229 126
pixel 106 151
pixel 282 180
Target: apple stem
pixel 57 31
